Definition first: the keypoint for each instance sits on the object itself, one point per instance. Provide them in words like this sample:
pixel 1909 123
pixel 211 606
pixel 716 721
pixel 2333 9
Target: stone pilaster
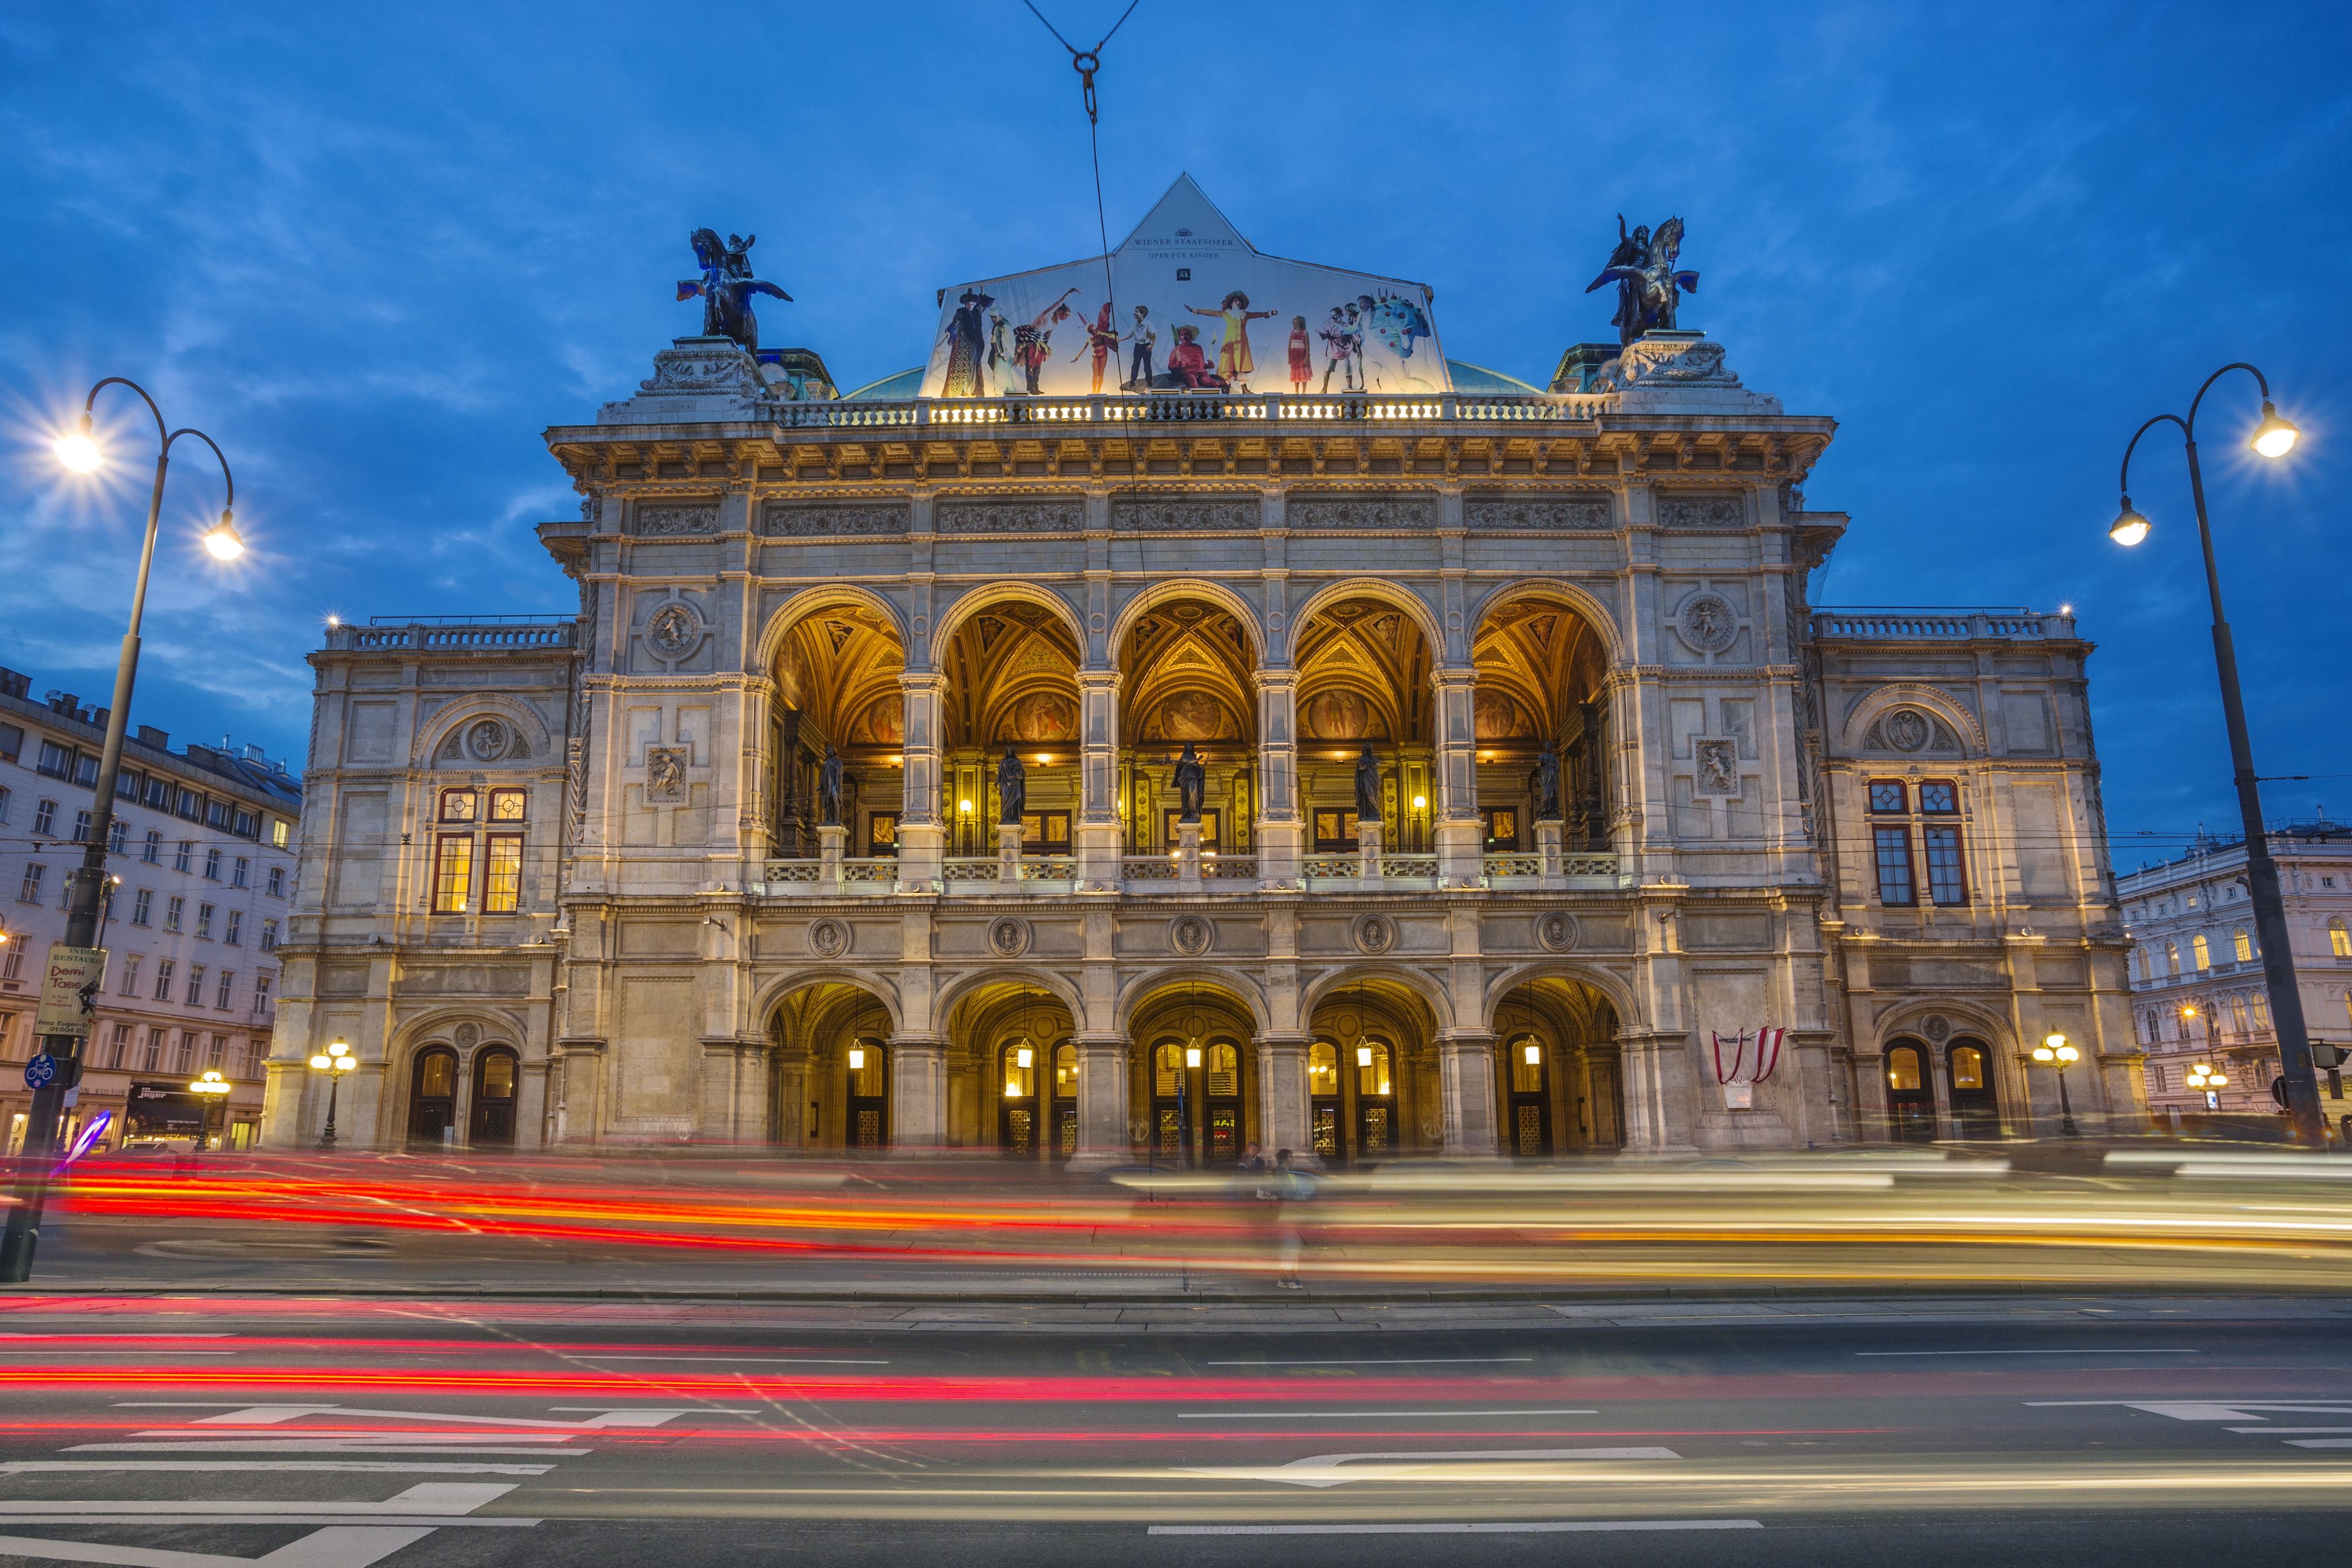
pixel 1460 844
pixel 1099 843
pixel 1102 1101
pixel 922 836
pixel 1281 834
pixel 918 1095
pixel 1465 1072
pixel 1282 1097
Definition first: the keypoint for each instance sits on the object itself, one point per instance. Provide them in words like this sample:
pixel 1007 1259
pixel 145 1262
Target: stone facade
pixel 2196 967
pixel 685 936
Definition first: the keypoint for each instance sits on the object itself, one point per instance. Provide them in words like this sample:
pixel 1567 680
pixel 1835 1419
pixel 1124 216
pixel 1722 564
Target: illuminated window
pixel 1372 1067
pixel 507 805
pixel 1525 1057
pixel 2172 957
pixel 2261 1012
pixel 1903 1069
pixel 1323 1064
pixel 1967 1067
pixel 2202 950
pixel 498 1074
pixel 502 875
pixel 1020 1071
pixel 1224 1079
pixel 453 872
pixel 2339 940
pixel 1065 1071
pixel 2238 1013
pixel 1892 848
pixel 1167 1069
pixel 458 805
pixel 437 1077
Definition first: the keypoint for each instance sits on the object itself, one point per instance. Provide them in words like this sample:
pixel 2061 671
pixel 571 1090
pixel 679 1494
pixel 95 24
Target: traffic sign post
pixel 69 983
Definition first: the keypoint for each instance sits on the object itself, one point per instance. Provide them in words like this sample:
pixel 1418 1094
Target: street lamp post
pixel 80 453
pixel 2203 1077
pixel 215 1090
pixel 2053 1051
pixel 2273 437
pixel 334 1062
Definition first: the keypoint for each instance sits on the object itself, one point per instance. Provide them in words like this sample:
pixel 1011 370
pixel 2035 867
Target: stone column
pixel 1281 834
pixel 1102 1101
pixel 1460 845
pixel 922 836
pixel 1098 846
pixel 1282 1098
pixel 918 1095
pixel 1465 1073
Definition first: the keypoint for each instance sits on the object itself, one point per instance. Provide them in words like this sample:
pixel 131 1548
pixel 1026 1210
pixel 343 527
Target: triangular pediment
pixel 1185 219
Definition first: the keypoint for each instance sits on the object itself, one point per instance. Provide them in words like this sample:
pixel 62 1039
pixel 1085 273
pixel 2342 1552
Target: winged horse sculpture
pixel 1648 287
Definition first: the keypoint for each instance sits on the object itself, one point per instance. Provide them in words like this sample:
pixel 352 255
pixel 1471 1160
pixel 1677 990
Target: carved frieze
pixel 788 519
pixel 1548 514
pixel 1034 517
pixel 1380 514
pixel 673 517
pixel 1156 514
pixel 1702 512
pixel 1718 769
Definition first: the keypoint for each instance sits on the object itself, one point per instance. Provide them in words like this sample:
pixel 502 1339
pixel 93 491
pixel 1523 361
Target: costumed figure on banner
pixel 1394 320
pixel 1649 289
pixel 1139 374
pixel 1103 339
pixel 1233 360
pixel 1188 364
pixel 964 347
pixel 1754 1054
pixel 1302 355
pixel 727 286
pixel 1342 343
pixel 1034 342
pixel 1003 363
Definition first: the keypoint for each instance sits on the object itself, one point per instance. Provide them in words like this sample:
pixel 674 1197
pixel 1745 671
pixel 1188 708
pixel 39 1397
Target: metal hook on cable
pixel 1086 62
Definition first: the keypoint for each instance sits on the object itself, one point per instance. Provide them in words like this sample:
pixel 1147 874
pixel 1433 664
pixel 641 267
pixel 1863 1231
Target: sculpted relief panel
pixel 1383 514
pixel 1485 513
pixel 1152 514
pixel 1037 517
pixel 789 519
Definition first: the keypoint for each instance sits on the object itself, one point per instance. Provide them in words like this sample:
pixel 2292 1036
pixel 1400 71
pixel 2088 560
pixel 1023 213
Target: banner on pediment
pixel 1191 306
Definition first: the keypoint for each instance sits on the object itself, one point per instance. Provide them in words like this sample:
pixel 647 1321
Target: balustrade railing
pixel 1515 865
pixel 1940 625
pixel 1162 408
pixel 1147 868
pixel 867 871
pixel 975 873
pixel 1330 867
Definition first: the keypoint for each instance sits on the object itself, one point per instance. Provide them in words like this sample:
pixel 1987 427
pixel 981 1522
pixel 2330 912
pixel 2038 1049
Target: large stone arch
pixel 1429 987
pixel 1424 616
pixel 1501 982
pixel 808 602
pixel 1874 704
pixel 539 742
pixel 1577 597
pixel 771 995
pixel 979 596
pixel 955 988
pixel 1240 985
pixel 1161 593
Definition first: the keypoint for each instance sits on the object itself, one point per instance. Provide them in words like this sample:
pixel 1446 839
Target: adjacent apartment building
pixel 204 846
pixel 2196 967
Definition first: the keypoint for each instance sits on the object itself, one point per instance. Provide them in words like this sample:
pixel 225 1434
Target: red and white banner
pixel 1754 1054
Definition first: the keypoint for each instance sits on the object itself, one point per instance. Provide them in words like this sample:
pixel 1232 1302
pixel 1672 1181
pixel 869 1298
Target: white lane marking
pixel 2201 1409
pixel 47 1467
pixel 271 1414
pixel 406 1443
pixel 2029 1353
pixel 1357 1415
pixel 1325 1470
pixel 2319 1442
pixel 2281 1429
pixel 1545 1527
pixel 1388 1361
pixel 430 1520
pixel 738 1360
pixel 436 1498
pixel 343 1547
pixel 16 1356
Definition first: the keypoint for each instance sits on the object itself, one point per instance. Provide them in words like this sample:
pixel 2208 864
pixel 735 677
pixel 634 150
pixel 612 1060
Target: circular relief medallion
pixel 1707 623
pixel 672 630
pixel 1375 934
pixel 1008 937
pixel 828 938
pixel 1555 931
pixel 486 738
pixel 1191 936
pixel 1938 1027
pixel 1906 729
pixel 468 1036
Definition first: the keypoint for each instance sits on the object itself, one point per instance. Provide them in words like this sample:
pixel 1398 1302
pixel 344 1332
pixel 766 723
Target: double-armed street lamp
pixel 2275 437
pixel 215 1091
pixel 334 1061
pixel 2203 1077
pixel 80 453
pixel 2053 1051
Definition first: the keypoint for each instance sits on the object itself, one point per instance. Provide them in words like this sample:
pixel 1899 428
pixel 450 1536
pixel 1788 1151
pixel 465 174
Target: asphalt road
pixel 198 1431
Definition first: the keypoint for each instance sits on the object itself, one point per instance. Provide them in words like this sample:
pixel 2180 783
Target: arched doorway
pixel 866 1077
pixel 1012 1071
pixel 829 1074
pixel 1365 674
pixel 1371 1043
pixel 1557 1073
pixel 1910 1098
pixel 433 1096
pixel 1195 1057
pixel 1967 1078
pixel 490 1121
pixel 1539 665
pixel 1012 671
pixel 1187 678
pixel 837 670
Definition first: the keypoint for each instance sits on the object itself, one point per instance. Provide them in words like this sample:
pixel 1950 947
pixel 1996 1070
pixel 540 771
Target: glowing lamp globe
pixel 2275 436
pixel 2129 527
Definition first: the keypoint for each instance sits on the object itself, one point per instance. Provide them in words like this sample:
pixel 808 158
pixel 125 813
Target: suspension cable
pixel 1086 62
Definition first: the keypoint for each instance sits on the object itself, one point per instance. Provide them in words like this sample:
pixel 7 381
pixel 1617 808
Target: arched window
pixel 1225 1070
pixel 2242 945
pixel 1903 1069
pixel 1323 1065
pixel 433 1097
pixel 2172 957
pixel 2204 952
pixel 1065 1071
pixel 1167 1069
pixel 2339 940
pixel 1967 1067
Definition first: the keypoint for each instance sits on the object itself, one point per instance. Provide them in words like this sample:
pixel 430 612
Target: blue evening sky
pixel 374 250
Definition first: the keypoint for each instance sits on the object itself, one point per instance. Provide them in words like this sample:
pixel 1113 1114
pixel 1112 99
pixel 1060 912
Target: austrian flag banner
pixel 1744 1060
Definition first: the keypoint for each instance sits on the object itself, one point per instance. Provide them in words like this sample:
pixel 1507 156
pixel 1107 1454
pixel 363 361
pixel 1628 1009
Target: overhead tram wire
pixel 1086 62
